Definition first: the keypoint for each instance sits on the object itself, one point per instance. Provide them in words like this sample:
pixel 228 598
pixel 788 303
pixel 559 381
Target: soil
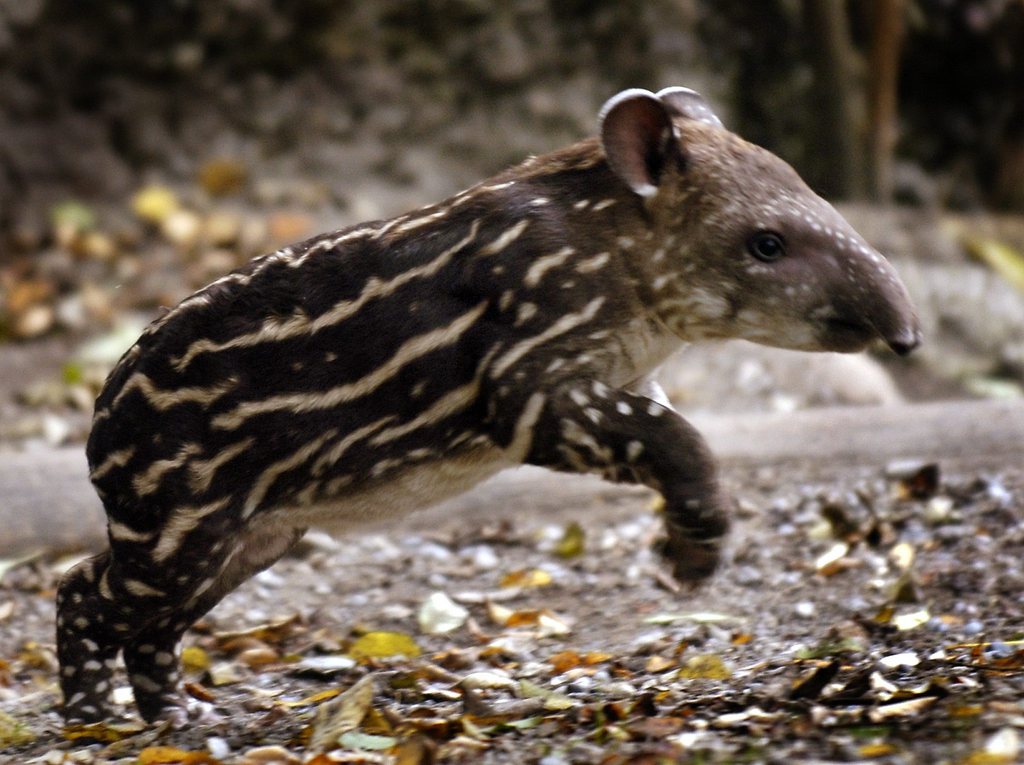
pixel 905 649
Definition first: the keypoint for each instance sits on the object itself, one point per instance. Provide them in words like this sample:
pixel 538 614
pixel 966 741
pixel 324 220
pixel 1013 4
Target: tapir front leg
pixel 588 427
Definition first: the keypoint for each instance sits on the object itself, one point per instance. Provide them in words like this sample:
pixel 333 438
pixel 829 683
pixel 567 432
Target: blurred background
pixel 147 148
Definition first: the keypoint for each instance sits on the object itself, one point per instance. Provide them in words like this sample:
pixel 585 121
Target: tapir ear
pixel 636 133
pixel 689 104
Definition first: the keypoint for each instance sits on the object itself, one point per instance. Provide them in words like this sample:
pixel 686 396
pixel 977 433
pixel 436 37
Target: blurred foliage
pixel 98 99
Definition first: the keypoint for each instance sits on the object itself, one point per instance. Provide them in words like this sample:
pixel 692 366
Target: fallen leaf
pixel 655 727
pixel 225 673
pixel 355 739
pixel 194 659
pixel 14 732
pixel 697 617
pixel 381 645
pixel 911 620
pixel 325 665
pixel 311 700
pixel 564 661
pixel 272 755
pixel 487 680
pixel 572 542
pixel 533 577
pixel 830 562
pixel 812 684
pixel 72 216
pixel 341 715
pixel 914 480
pixel 902 555
pixel 1000 257
pixel 222 176
pixel 707 666
pixel 159 755
pixel 659 664
pixel 154 203
pixel 197 691
pixel 553 700
pixel 900 709
pixel 877 749
pixel 440 614
pixel 105 732
pixel 272 632
pixel 416 750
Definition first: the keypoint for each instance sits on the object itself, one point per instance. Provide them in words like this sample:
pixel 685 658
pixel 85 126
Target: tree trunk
pixel 883 84
pixel 834 112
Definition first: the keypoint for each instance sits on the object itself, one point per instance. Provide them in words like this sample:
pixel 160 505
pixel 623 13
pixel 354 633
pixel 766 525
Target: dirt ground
pixel 867 613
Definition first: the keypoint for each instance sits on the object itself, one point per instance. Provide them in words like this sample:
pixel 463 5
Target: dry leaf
pixel 272 632
pixel 194 659
pixel 154 203
pixel 161 755
pixel 14 732
pixel 271 755
pixel 382 645
pixel 440 614
pixel 572 542
pixel 534 577
pixel 1000 257
pixel 106 732
pixel 659 664
pixel 313 699
pixel 341 715
pixel 900 709
pixel 707 666
pixel 564 661
pixel 222 176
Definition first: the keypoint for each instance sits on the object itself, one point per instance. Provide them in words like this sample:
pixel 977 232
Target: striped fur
pixel 371 371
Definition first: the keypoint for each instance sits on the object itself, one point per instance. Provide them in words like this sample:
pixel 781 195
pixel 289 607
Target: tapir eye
pixel 766 246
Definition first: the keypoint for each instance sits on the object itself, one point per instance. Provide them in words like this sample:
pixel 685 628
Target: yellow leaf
pixel 911 620
pixel 105 732
pixel 159 755
pixel 222 176
pixel 195 659
pixel 315 698
pixel 1000 257
pixel 564 661
pixel 154 203
pixel 707 666
pixel 526 578
pixel 879 749
pixel 14 732
pixel 379 645
pixel 571 543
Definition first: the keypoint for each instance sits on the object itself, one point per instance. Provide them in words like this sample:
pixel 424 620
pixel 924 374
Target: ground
pixel 864 614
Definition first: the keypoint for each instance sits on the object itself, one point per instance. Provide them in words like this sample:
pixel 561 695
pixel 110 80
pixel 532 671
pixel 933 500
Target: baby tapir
pixel 379 369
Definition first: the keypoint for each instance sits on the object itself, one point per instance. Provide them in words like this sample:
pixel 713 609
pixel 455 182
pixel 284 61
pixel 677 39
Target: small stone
pixel 900 660
pixel 618 690
pixel 218 747
pixel 34 321
pixel 805 609
pixel 223 229
pixel 489 679
pixel 182 228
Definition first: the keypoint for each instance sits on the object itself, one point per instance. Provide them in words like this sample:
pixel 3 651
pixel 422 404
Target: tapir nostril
pixel 905 342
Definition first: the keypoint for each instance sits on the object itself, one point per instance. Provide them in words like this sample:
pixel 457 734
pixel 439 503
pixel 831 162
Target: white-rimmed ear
pixel 636 133
pixel 689 104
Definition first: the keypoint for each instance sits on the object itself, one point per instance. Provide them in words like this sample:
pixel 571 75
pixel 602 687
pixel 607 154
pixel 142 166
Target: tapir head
pixel 743 247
